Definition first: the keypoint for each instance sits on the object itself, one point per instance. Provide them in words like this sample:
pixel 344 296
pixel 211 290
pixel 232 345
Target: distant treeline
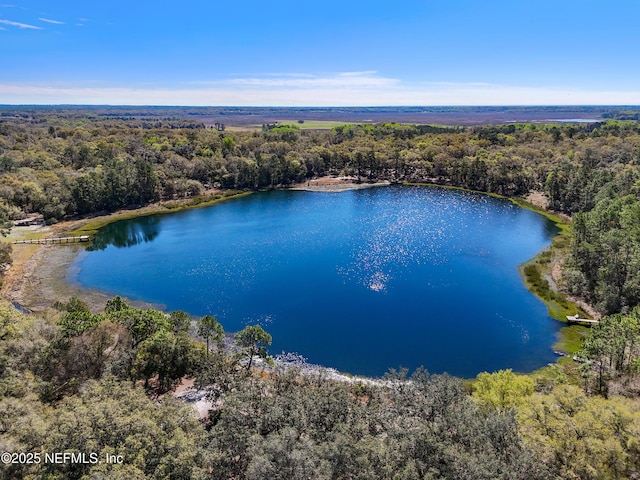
pixel 401 114
pixel 622 115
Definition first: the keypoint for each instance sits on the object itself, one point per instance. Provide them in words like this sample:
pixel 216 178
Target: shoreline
pixel 45 280
pixel 39 275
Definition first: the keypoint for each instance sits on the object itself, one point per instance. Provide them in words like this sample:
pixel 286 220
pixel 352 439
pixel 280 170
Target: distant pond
pixel 360 281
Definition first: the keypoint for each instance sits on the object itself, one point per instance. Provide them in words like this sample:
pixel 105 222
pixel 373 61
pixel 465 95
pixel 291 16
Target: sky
pixel 329 53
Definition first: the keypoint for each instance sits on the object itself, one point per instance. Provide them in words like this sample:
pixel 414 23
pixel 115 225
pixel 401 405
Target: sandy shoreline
pixel 45 278
pixel 39 275
pixel 336 184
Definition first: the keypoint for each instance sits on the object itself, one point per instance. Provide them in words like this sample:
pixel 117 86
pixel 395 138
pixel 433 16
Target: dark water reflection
pixel 125 233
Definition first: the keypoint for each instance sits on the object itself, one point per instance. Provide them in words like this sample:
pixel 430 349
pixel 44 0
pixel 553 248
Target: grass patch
pixel 565 370
pixel 557 304
pixel 540 285
pixel 25 235
pixel 307 125
pixel 570 338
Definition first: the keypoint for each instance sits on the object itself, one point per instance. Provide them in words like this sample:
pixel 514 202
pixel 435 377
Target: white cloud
pixel 305 81
pixel 19 25
pixel 48 20
pixel 358 74
pixel 317 94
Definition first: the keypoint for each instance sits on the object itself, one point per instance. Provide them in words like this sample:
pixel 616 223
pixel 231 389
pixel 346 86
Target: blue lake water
pixel 361 280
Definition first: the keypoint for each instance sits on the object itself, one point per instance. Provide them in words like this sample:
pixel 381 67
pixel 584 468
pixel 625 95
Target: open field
pixel 312 124
pixel 321 117
pixel 305 125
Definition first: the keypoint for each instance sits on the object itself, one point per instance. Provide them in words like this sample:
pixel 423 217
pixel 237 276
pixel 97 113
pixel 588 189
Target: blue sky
pixel 419 52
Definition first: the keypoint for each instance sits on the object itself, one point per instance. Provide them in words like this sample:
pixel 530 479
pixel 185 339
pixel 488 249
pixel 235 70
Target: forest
pixel 97 383
pixel 76 380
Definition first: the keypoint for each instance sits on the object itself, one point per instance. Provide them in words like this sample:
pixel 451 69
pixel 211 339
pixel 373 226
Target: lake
pixel 361 280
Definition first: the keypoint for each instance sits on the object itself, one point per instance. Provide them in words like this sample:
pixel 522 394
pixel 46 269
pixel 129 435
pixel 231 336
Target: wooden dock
pixel 54 240
pixel 575 319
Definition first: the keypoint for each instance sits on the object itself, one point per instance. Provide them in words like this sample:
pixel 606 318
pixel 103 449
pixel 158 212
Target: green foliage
pixel 73 305
pixel 181 321
pixel 254 342
pixel 116 304
pixel 300 426
pixel 614 347
pixel 283 423
pixel 5 254
pixel 161 441
pixel 76 322
pixel 167 357
pixel 142 323
pixel 557 303
pixel 122 164
pixel 210 330
pixel 139 344
pixel 502 390
pixel 5 221
pixel 606 254
pixel 9 320
pixel 540 285
pixel 129 161
pixel 286 425
pixel 580 436
pixel 228 144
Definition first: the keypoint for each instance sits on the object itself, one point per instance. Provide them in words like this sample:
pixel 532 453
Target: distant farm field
pixel 305 125
pixel 313 124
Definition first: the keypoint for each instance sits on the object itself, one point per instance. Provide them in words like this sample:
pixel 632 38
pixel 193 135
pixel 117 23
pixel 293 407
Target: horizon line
pixel 542 105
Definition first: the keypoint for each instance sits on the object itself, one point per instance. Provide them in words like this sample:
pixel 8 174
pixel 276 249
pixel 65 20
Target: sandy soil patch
pixel 539 199
pixel 41 275
pixel 336 184
pixel 44 279
pixel 188 393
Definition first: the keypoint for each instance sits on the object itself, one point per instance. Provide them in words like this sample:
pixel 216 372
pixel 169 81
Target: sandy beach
pixel 336 184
